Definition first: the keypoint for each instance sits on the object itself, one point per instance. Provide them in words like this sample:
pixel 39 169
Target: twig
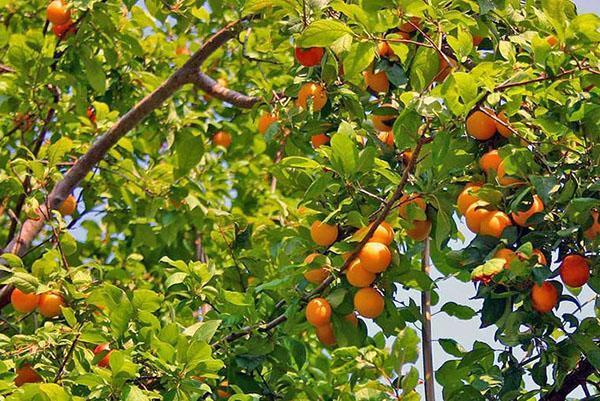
pixel 66 359
pixel 426 331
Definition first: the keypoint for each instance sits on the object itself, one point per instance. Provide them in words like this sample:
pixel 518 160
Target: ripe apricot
pixel 58 13
pixel 90 112
pixel 384 49
pixel 24 302
pixel 64 30
pixel 544 297
pixel 315 276
pixel 384 122
pixel 592 232
pixel 182 51
pixel 375 257
pixel 574 270
pixel 223 389
pixel 475 215
pixel 222 138
pixel 503 179
pixel 502 130
pixel 358 276
pixel 521 218
pixel 494 223
pixel 420 230
pixel 314 91
pixel 265 120
pixel 318 312
pixel 409 27
pixel 507 254
pixel 384 233
pixel 387 138
pixel 26 374
pixel 541 258
pixel 105 361
pixel 368 302
pixel 490 161
pixel 377 82
pixel 406 200
pixel 480 126
pixel 552 40
pixel 477 40
pixel 325 334
pixel 68 206
pixel 50 303
pixel 323 234
pixel 319 140
pixel 467 197
pixel 309 57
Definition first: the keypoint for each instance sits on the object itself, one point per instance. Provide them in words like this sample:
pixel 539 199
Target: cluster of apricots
pixel 482 126
pixel 318 314
pixel 48 304
pixel 419 228
pixel 59 14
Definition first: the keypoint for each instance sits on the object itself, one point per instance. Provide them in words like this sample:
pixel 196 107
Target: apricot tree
pixel 226 200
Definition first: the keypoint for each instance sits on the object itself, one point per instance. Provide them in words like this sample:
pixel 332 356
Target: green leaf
pixel 357 60
pixel 146 300
pixel 59 149
pixel 323 33
pixel 424 68
pixel 345 154
pixel 462 312
pixel 95 74
pixel 206 330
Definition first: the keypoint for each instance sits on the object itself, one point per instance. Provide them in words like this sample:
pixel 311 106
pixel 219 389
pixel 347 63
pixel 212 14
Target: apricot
pixel 323 234
pixel 309 57
pixel 475 214
pixel 90 112
pixel 490 161
pixel 375 257
pixel 58 13
pixel 222 138
pixel 325 334
pixel 105 361
pixel 592 232
pixel 384 233
pixel 520 218
pixel 358 276
pixel 502 130
pixel 480 126
pixel 574 270
pixel 64 30
pixel 544 297
pixel 494 223
pixel 314 91
pixel 420 230
pixel 315 276
pixel 503 179
pixel 26 374
pixel 541 258
pixel 50 304
pixel 368 302
pixel 265 120
pixel 384 49
pixel 318 312
pixel 552 40
pixel 406 200
pixel 24 302
pixel 384 122
pixel 387 138
pixel 182 51
pixel 223 389
pixel 68 206
pixel 507 254
pixel 319 140
pixel 477 40
pixel 377 82
pixel 467 197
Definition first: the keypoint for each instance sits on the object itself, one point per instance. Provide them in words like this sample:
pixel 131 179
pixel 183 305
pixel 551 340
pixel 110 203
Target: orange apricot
pixel 544 297
pixel 265 120
pixel 322 233
pixel 318 312
pixel 475 214
pixel 387 138
pixel 420 230
pixel 507 254
pixel 50 304
pixel 319 140
pixel 315 276
pixel 377 82
pixel 480 126
pixel 574 270
pixel 502 129
pixel 368 302
pixel 406 200
pixel 409 27
pixel 384 122
pixel 325 334
pixel 58 13
pixel 68 206
pixel 358 276
pixel 314 91
pixel 467 197
pixel 490 161
pixel 521 218
pixel 375 257
pixel 503 179
pixel 26 374
pixel 592 232
pixel 24 302
pixel 309 57
pixel 494 223
pixel 222 138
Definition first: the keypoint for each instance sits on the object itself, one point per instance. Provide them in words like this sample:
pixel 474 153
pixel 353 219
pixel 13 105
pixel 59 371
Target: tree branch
pixel 31 228
pixel 426 329
pixel 572 380
pixel 213 88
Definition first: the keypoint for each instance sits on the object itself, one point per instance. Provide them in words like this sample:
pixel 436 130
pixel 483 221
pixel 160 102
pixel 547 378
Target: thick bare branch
pixel 213 88
pixel 573 379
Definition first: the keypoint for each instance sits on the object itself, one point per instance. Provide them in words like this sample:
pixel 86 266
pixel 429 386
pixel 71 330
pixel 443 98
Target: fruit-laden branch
pixel 31 227
pixel 573 379
pixel 389 205
pixel 209 85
